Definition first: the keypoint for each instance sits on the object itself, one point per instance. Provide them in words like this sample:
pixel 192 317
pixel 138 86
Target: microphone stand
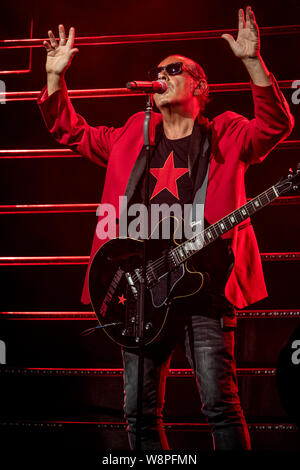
pixel 141 305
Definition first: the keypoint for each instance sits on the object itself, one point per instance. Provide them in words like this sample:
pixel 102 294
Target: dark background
pixel 76 180
pixel 42 181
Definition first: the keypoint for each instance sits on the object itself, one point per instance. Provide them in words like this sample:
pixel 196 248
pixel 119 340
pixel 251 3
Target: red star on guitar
pixel 122 299
pixel 167 177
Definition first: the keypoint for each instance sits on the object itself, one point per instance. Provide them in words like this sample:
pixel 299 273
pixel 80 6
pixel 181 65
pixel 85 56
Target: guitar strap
pixel 196 215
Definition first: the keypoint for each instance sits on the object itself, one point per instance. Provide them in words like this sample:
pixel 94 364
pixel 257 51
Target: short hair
pixel 199 75
pixel 198 72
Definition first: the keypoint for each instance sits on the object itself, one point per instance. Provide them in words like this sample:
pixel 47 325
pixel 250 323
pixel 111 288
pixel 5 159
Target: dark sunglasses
pixel 172 69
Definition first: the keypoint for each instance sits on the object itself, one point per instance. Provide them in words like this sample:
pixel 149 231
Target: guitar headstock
pixel 289 183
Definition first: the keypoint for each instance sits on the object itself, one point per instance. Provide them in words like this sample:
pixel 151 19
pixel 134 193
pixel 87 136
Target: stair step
pixel 58 343
pixel 100 392
pixel 93 436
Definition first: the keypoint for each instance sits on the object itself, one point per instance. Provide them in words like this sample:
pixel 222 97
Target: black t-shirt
pixel 170 183
pixel 169 175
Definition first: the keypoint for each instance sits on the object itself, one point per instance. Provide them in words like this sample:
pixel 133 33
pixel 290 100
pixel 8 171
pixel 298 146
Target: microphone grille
pixel 163 84
pixel 130 85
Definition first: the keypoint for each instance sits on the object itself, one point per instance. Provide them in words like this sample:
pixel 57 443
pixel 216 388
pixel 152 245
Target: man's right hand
pixel 59 57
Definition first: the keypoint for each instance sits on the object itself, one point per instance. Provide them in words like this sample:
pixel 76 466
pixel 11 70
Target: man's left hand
pixel 247 44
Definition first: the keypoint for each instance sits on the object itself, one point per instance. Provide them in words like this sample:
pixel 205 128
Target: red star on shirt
pixel 167 177
pixel 122 299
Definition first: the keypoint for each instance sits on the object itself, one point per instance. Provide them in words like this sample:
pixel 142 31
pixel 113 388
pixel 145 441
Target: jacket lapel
pixel 199 152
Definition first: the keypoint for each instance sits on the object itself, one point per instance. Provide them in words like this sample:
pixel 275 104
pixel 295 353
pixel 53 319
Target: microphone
pixel 159 86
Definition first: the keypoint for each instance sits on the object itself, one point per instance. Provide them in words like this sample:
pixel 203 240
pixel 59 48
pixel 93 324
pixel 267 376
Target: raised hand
pixel 59 56
pixel 247 44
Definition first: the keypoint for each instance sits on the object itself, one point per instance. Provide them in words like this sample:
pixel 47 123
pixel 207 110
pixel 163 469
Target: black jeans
pixel 210 352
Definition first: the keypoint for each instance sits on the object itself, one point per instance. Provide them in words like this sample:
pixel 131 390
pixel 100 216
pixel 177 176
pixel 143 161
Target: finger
pixel 229 39
pixel 253 24
pixel 241 19
pixel 52 39
pixel 62 35
pixel 47 46
pixel 73 52
pixel 248 13
pixel 71 37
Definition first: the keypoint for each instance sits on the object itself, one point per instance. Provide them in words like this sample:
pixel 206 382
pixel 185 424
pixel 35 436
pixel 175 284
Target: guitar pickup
pixel 150 274
pixel 138 272
pixel 131 284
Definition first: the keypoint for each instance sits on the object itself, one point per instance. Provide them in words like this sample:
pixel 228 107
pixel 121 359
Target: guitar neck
pixel 190 247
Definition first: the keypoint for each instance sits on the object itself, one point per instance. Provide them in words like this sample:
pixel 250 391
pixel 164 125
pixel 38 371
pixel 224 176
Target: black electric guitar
pixel 174 272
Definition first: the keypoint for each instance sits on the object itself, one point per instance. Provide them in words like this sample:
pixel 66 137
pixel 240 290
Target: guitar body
pixel 175 272
pixel 114 284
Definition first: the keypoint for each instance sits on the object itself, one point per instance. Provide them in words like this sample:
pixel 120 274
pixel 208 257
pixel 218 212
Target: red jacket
pixel 236 143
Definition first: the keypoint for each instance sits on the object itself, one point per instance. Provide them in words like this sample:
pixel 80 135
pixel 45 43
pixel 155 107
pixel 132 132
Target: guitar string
pixel 215 227
pixel 161 262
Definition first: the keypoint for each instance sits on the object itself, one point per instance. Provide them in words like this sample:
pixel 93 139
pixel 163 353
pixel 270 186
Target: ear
pixel 201 87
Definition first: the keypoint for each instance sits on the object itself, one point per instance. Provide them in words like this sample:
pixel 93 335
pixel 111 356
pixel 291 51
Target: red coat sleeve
pixel 272 123
pixel 71 129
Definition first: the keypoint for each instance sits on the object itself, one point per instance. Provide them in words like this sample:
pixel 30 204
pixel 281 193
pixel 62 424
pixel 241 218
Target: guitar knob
pixel 124 332
pixel 148 326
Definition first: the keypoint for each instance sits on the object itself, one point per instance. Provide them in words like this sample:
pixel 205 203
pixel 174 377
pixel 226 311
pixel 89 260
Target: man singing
pixel 181 137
